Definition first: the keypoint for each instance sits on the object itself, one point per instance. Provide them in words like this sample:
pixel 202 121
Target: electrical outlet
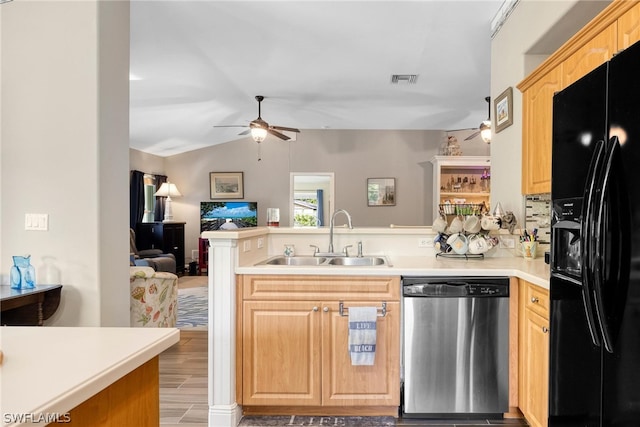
pixel 246 245
pixel 507 242
pixel 260 242
pixel 425 242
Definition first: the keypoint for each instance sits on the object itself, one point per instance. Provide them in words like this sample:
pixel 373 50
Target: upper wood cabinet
pixel 593 53
pixel 629 27
pixel 537 118
pixel 616 27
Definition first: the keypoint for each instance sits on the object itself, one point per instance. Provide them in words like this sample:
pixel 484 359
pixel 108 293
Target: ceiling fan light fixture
pixel 485 131
pixel 258 134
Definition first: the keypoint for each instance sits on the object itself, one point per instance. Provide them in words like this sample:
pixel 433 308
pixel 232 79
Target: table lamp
pixel 167 189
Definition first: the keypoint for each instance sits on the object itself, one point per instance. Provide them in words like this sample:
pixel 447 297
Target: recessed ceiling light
pixel 404 78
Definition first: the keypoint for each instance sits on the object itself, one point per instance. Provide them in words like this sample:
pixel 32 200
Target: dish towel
pixel 362 335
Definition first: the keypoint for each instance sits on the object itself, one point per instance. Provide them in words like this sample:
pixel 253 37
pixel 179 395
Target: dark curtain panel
pixel 159 211
pixel 136 198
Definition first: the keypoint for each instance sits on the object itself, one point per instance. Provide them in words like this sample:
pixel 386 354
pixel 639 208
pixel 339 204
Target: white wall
pixel 532 23
pixel 353 155
pixel 64 148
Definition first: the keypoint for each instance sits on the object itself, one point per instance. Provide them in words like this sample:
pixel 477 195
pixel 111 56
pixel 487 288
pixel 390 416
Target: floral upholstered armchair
pixel 154 298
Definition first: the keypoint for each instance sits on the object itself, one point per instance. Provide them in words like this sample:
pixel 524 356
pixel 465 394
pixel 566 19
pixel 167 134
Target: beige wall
pixel 65 150
pixel 352 155
pixel 533 26
pixel 145 162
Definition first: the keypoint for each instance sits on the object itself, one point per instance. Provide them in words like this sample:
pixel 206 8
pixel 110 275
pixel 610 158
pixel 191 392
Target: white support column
pixel 223 409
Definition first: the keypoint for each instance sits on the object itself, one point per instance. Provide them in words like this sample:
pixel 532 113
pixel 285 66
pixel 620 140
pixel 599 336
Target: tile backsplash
pixel 538 215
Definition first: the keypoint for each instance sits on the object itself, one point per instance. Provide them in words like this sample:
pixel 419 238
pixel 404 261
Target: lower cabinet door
pixel 537 369
pixel 347 385
pixel 281 353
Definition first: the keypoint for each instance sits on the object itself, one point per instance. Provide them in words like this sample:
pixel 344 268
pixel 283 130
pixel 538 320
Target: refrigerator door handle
pixel 587 247
pixel 601 262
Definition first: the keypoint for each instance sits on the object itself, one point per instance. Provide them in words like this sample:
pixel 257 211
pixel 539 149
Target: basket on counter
pixel 462 209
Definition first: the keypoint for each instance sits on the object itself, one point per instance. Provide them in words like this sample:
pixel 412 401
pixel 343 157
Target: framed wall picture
pixel 226 185
pixel 381 191
pixel 503 110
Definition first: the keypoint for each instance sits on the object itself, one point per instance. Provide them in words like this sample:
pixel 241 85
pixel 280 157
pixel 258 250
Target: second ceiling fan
pixel 260 128
pixel 484 130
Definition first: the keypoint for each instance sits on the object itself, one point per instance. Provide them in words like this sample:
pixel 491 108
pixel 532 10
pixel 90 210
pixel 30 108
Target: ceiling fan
pixel 485 127
pixel 259 128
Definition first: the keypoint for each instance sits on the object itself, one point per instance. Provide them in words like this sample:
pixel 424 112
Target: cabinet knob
pixel 315 308
pixel 326 309
pixel 534 300
pixel 545 329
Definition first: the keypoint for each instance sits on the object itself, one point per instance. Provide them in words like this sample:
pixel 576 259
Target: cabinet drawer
pixel 378 288
pixel 537 300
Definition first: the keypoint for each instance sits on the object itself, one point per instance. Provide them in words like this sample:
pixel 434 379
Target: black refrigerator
pixel 594 360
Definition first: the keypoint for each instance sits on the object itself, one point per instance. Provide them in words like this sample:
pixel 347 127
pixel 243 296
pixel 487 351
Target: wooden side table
pixel 28 307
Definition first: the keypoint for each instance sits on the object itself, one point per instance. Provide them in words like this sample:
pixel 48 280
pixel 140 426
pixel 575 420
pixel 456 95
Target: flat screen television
pixel 228 215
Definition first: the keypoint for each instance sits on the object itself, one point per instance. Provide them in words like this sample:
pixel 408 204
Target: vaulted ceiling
pixel 319 64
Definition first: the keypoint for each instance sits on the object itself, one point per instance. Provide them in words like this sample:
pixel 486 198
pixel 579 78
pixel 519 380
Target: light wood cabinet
pixel 534 353
pixel 537 120
pixel 293 345
pixel 592 54
pixel 616 27
pixel 629 27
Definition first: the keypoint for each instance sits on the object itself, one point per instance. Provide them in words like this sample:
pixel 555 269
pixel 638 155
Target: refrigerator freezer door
pixel 621 374
pixel 579 123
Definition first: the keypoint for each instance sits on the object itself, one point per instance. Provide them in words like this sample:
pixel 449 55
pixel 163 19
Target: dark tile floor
pixel 255 421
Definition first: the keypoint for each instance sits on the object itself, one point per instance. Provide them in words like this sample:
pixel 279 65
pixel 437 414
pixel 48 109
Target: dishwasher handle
pixel 448 289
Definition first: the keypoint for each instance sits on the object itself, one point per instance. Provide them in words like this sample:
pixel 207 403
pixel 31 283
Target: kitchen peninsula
pixel 235 258
pixel 81 375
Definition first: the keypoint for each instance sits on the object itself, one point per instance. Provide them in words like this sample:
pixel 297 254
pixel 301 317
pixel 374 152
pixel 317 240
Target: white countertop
pixel 51 370
pixel 534 271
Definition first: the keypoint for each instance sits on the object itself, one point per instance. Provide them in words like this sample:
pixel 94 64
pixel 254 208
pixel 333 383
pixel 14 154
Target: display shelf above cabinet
pixel 464 194
pixel 461 180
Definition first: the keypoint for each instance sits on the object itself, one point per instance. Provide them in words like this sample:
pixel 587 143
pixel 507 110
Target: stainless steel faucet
pixel 333 217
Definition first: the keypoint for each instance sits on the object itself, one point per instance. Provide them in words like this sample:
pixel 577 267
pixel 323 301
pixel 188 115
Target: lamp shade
pixel 168 189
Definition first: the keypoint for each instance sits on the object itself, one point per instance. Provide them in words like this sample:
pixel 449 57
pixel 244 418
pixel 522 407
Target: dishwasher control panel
pixel 488 290
pixel 455 286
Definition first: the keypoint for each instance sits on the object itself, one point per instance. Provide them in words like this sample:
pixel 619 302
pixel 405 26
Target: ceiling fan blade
pixel 245 132
pixel 473 135
pixel 285 128
pixel 278 134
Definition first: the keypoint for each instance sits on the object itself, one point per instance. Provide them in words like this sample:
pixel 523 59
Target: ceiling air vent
pixel 397 79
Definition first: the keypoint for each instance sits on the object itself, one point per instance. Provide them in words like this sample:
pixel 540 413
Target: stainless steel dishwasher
pixel 455 347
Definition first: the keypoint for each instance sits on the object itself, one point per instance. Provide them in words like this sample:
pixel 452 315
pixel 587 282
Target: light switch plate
pixel 36 222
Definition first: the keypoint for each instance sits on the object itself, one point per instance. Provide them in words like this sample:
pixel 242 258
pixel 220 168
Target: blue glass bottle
pixel 23 275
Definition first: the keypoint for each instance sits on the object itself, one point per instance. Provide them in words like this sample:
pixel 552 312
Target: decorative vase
pixel 23 275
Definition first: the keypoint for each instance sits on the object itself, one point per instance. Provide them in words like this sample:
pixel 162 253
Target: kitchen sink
pixel 311 261
pixel 295 260
pixel 366 260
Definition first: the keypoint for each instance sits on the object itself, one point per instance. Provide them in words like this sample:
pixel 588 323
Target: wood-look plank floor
pixel 183 381
pixel 183 392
